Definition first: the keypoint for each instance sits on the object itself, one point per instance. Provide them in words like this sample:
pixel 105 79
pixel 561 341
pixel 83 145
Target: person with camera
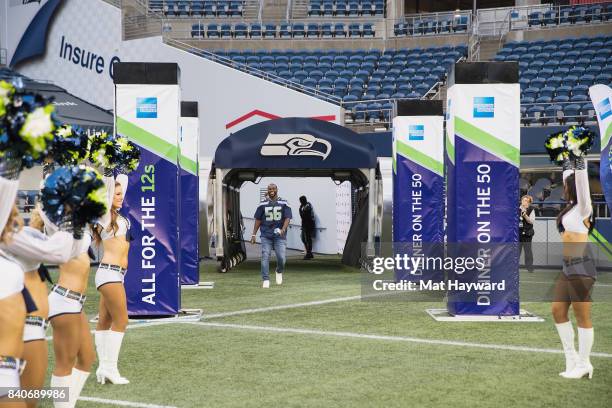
pixel 526 230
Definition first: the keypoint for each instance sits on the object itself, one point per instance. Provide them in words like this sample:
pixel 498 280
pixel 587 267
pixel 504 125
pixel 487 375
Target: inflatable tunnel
pixel 293 147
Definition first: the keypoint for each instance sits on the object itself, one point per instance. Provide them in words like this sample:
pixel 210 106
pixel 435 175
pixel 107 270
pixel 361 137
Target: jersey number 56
pixel 273 213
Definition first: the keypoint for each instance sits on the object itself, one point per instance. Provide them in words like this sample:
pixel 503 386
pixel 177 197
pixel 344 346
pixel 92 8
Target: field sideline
pixel 313 343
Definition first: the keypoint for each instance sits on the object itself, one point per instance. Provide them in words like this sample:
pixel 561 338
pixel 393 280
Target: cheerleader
pixel 12 301
pixel 113 233
pixel 573 288
pixel 28 248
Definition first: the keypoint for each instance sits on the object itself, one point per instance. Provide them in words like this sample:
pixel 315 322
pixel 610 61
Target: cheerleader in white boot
pixel 12 304
pixel 72 341
pixel 113 232
pixel 28 248
pixel 573 288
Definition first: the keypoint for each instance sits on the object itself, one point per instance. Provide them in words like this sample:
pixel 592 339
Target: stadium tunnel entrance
pixel 293 147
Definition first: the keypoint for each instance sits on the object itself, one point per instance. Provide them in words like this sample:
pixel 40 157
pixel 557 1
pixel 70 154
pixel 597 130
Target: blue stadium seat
pixel 552 111
pixel 579 98
pixel 550 18
pixel 580 90
pixel 314 8
pixel 316 75
pixel 340 30
pixel 212 31
pixel 241 30
pixel 327 30
pixel 310 83
pixel 527 99
pixel 534 113
pixel 196 9
pixel 360 114
pixel 270 31
pixel 545 99
pixel 534 18
pixel 299 30
pixel 235 8
pixel 559 98
pixel 350 98
pixel 354 30
pixel 197 30
pixel 285 31
pixel 328 8
pixel 565 13
pixel 312 30
pixel 554 81
pixel 564 90
pixel 400 29
pixel 285 74
pixel 368 30
pixel 547 91
pixel 538 82
pixel 572 111
pixel 255 31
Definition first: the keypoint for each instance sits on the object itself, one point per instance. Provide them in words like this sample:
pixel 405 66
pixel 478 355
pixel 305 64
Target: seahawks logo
pixel 295 145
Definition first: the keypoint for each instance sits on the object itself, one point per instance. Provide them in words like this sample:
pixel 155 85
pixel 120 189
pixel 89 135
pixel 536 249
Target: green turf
pixel 201 366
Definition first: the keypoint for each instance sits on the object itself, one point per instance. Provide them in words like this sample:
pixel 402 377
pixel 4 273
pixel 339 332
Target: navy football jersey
pixel 272 214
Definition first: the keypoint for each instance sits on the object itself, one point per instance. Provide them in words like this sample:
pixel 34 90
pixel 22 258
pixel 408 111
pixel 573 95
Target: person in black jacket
pixel 526 231
pixel 308 225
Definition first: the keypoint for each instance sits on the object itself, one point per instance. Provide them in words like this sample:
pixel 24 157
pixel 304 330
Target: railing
pixel 498 21
pixel 253 71
pixel 459 22
pixel 3 54
pixel 142 22
pixel 283 30
pixel 559 115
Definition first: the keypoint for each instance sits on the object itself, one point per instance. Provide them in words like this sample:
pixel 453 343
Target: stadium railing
pixel 253 71
pixel 459 22
pixel 276 29
pixel 498 21
pixel 562 113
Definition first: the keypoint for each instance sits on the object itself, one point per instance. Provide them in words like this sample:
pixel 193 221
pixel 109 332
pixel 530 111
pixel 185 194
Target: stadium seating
pixel 445 24
pixel 563 15
pixel 555 76
pixel 198 8
pixel 346 8
pixel 285 30
pixel 364 79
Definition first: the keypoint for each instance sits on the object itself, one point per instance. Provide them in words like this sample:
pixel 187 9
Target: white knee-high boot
pixel 585 344
pixel 100 339
pixel 566 334
pixel 78 382
pixel 112 347
pixel 63 382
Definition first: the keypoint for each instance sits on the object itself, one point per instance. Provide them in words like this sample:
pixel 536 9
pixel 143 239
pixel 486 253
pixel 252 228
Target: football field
pixel 313 343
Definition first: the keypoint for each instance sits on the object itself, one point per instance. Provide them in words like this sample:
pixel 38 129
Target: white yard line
pixel 280 307
pixel 123 403
pixel 387 338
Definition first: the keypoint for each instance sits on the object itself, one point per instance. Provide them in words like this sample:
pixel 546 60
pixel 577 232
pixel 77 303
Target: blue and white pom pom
pixel 77 192
pixel 578 140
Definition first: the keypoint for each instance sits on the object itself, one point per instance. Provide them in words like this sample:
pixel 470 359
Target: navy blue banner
pixel 483 196
pixel 152 282
pixel 418 215
pixel 188 225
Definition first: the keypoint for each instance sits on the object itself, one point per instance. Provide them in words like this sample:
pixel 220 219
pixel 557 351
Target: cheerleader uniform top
pixel 573 220
pixel 123 225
